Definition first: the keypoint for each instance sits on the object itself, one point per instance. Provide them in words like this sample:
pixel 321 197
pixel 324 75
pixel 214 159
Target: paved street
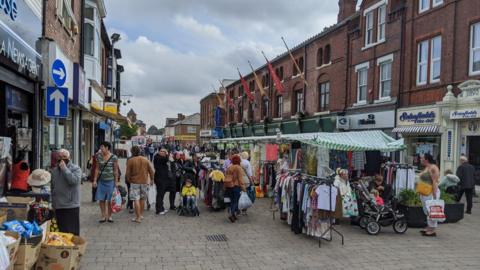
pixel 259 242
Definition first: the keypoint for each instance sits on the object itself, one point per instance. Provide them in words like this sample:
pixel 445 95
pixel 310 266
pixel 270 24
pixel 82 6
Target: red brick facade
pixel 392 47
pixel 207 111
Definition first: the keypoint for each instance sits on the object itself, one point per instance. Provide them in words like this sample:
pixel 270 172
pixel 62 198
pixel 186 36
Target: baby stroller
pixel 373 217
pixel 188 200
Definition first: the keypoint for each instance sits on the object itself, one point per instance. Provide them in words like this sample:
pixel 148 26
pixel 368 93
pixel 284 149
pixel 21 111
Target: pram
pixel 188 204
pixel 373 216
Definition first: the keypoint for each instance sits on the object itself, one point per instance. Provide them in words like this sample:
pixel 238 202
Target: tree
pixel 128 131
pixel 152 130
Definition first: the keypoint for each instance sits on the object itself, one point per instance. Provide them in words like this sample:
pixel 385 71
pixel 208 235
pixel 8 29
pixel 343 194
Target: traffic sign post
pixel 57 102
pixel 59 73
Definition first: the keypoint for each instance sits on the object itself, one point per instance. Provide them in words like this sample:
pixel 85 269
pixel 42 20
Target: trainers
pixel 173 208
pixel 163 212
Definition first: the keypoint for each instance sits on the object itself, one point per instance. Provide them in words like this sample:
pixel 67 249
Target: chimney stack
pixel 180 117
pixel 346 8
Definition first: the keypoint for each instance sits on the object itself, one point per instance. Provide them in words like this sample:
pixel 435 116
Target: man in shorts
pixel 139 174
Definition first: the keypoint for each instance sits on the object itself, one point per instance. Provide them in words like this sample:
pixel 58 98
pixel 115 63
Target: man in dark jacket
pixel 164 180
pixel 466 173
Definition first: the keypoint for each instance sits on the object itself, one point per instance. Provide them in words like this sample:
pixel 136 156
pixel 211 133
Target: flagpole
pixel 259 85
pixel 294 62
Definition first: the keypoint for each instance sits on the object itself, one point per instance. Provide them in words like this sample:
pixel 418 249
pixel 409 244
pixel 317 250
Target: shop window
pixel 362 79
pixel 475 49
pixel 319 57
pixel 324 96
pixel 279 107
pixel 429 59
pixel 385 79
pixel 417 146
pixel 299 101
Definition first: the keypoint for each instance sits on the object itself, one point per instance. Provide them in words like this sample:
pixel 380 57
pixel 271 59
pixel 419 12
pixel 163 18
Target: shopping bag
pixel 423 188
pixel 116 203
pixel 350 205
pixel 251 193
pixel 244 202
pixel 152 194
pixel 436 210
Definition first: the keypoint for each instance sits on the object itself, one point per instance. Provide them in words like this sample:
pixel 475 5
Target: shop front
pixel 20 70
pixel 421 129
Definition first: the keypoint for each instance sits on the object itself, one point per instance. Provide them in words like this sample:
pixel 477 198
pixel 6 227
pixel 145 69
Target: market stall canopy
pixel 344 141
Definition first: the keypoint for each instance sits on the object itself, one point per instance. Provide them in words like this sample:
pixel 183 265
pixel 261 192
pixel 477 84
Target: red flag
pixel 246 89
pixel 276 80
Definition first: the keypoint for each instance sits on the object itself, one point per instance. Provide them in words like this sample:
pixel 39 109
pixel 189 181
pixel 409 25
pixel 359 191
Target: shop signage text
pixel 419 117
pixel 18 55
pixel 10 8
pixel 370 120
pixel 465 114
pixel 206 133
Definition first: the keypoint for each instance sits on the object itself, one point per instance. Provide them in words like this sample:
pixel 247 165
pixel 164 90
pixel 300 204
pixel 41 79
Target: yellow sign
pixel 111 107
pixel 97 105
pixel 186 138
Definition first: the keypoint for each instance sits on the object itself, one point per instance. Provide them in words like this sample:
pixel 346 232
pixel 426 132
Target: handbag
pixel 423 188
pixel 436 210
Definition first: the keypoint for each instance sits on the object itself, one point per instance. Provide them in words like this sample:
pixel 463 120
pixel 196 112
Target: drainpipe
pixel 305 77
pixel 82 36
pixel 347 75
pixel 402 70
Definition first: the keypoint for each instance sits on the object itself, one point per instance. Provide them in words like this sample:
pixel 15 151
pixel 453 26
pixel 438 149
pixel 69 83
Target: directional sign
pixel 57 102
pixel 59 73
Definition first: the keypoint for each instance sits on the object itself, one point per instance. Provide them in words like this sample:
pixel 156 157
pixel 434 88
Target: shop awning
pixel 418 129
pixel 345 141
pixel 115 117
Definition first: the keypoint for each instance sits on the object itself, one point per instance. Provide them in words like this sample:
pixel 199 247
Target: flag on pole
pixel 246 89
pixel 257 80
pixel 276 80
pixel 299 71
pixel 229 99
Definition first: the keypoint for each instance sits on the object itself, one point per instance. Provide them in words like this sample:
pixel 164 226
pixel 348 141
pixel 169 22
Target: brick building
pixel 384 65
pixel 212 115
pixel 187 129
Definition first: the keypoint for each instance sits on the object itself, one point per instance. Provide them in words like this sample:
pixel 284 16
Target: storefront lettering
pixel 418 118
pixel 465 114
pixel 10 50
pixel 369 121
pixel 10 8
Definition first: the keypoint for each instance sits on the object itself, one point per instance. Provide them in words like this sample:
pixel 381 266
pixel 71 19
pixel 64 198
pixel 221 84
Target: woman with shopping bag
pixel 233 184
pixel 428 189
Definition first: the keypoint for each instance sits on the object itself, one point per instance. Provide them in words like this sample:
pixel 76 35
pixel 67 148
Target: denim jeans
pixel 235 196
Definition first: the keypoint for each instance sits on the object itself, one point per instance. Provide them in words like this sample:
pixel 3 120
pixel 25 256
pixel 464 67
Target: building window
pixel 89 39
pixel 265 108
pixel 231 114
pixel 279 107
pixel 436 59
pixel 475 49
pixel 298 101
pixel 362 78
pixel 324 97
pixel 429 58
pixel 327 54
pixel 240 112
pixel 385 79
pixel 250 111
pixel 299 62
pixel 241 92
pixel 279 73
pixel 251 85
pixel 369 28
pixel 381 23
pixel 424 5
pixel 266 80
pixel 319 57
pixel 65 13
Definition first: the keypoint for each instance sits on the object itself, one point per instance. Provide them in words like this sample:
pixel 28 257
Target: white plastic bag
pixel 4 256
pixel 152 194
pixel 436 210
pixel 244 202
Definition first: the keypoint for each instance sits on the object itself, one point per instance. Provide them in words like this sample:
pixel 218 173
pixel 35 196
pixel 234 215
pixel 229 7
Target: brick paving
pixel 259 242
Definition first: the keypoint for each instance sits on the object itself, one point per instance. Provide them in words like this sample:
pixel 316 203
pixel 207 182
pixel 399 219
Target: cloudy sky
pixel 175 50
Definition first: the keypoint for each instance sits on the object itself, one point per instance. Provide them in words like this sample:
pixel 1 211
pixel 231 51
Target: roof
pixel 193 119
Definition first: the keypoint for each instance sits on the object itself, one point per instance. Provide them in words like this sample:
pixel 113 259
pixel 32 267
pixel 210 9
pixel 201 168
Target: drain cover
pixel 217 238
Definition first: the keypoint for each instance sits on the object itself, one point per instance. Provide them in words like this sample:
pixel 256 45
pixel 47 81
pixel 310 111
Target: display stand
pixel 331 227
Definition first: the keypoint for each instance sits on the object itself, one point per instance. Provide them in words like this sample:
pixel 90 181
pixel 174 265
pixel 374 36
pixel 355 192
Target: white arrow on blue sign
pixel 57 102
pixel 59 73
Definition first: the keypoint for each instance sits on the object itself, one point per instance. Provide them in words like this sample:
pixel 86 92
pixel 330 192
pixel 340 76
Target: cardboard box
pixel 12 249
pixel 29 249
pixel 17 207
pixel 3 216
pixel 59 258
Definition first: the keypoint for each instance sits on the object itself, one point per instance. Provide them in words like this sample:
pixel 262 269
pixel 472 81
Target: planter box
pixel 417 219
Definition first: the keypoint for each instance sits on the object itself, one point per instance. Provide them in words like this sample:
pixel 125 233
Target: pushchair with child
pixel 373 216
pixel 188 200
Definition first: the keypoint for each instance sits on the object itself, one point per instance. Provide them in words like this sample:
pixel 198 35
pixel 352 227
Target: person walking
pixel 139 174
pixel 431 176
pixel 66 180
pixel 233 184
pixel 106 177
pixel 466 173
pixel 165 180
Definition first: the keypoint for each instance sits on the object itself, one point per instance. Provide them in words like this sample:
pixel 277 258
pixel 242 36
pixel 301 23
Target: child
pixel 377 197
pixel 189 194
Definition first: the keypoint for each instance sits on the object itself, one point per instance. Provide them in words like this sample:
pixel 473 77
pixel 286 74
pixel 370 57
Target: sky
pixel 175 51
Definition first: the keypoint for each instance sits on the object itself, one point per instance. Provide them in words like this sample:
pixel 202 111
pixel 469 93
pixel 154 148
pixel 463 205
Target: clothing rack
pixel 331 228
pixel 401 166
